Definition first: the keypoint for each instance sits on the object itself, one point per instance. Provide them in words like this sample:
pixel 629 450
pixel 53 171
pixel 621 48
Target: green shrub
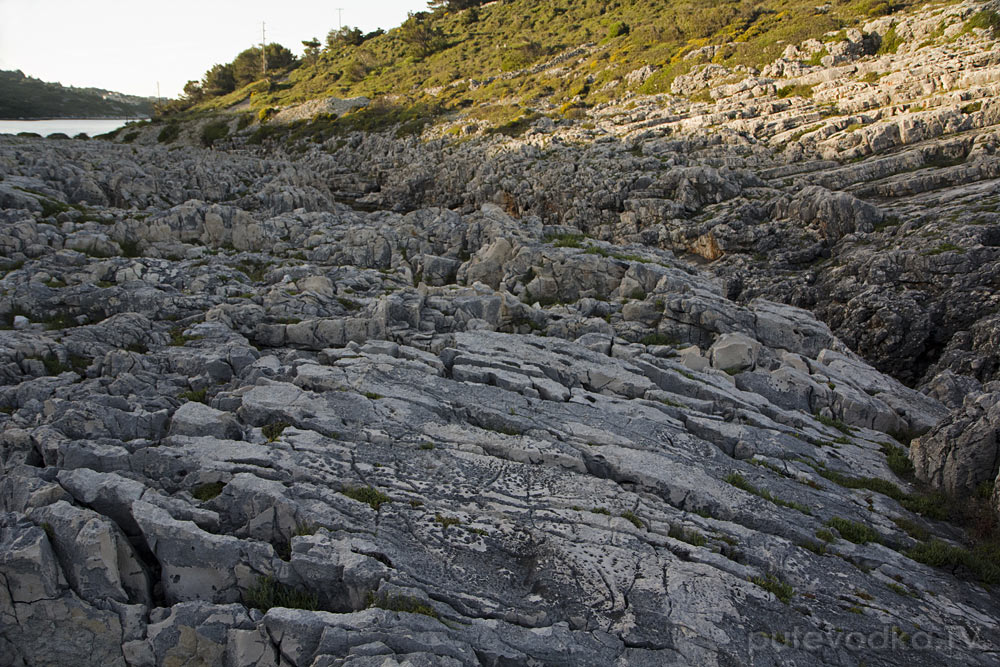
pixel 617 29
pixel 267 593
pixel 898 461
pixel 169 133
pixel 274 430
pixel 891 42
pixel 981 563
pixel 826 535
pixel 633 518
pixel 447 521
pixel 213 132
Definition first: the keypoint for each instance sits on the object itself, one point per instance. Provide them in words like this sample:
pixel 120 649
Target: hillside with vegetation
pixel 530 55
pixel 25 97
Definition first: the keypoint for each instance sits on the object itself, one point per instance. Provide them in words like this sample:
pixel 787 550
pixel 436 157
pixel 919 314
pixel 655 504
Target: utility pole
pixel 340 18
pixel 157 92
pixel 263 50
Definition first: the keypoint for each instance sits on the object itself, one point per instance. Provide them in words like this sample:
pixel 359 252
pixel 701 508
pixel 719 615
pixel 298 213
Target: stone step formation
pixel 677 382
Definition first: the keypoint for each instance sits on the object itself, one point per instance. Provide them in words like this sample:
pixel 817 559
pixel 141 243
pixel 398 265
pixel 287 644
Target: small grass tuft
pixel 401 603
pixel 207 491
pixel 772 584
pixel 741 483
pixel 633 518
pixel 195 396
pixel 692 537
pixel 268 593
pixel 854 531
pixel 274 430
pixel 366 494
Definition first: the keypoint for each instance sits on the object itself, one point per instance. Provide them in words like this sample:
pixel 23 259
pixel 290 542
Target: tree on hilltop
pixel 454 5
pixel 311 53
pixel 219 80
pixel 345 36
pixel 420 35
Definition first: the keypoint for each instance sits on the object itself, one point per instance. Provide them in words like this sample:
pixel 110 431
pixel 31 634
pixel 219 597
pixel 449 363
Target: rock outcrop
pixel 245 433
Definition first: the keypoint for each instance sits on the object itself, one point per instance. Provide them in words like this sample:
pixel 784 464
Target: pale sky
pixel 130 45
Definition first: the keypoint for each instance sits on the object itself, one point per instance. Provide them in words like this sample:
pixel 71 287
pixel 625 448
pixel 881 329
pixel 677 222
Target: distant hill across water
pixel 25 97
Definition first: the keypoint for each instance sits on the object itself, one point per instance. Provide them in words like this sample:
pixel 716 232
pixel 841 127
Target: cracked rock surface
pixel 630 389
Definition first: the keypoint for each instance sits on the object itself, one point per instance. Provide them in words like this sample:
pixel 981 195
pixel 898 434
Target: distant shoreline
pixel 125 118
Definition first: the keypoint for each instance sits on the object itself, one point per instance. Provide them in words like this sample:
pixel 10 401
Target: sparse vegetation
pixel 834 423
pixel 268 592
pixel 366 494
pixel 207 491
pixel 178 338
pixel 773 584
pixel 853 531
pixel 981 563
pixel 740 482
pixel 274 430
pixel 691 536
pixel 401 603
pixel 633 518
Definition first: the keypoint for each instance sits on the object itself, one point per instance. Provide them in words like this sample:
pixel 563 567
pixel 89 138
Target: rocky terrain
pixel 550 399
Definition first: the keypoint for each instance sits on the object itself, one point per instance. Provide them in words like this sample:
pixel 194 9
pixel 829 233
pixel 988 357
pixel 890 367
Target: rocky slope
pixel 855 177
pixel 263 397
pixel 464 398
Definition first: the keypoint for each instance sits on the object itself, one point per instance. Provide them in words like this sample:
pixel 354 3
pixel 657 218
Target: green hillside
pixel 26 97
pixel 495 53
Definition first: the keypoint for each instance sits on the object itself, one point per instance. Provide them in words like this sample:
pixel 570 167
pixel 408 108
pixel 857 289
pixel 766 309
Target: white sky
pixel 130 45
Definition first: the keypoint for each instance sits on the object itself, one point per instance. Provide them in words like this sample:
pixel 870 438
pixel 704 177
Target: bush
pixel 983 562
pixel 274 430
pixel 618 29
pixel 891 42
pixel 213 132
pixel 169 133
